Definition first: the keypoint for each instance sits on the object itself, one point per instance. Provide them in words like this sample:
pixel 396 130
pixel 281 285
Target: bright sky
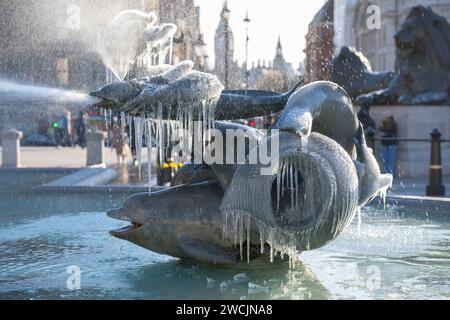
pixel 289 18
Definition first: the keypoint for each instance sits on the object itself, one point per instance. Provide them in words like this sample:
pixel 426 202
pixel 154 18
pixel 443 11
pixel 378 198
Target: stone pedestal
pixel 11 148
pixel 417 122
pixel 95 146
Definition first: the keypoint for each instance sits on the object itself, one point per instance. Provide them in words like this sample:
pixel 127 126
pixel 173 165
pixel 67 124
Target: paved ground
pixel 52 157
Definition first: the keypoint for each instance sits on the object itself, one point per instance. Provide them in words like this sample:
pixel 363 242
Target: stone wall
pixel 417 122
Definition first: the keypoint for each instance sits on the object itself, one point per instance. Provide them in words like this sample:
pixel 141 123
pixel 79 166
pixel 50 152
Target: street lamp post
pixel 247 39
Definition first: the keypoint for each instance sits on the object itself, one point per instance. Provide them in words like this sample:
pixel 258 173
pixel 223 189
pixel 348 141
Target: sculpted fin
pixel 206 252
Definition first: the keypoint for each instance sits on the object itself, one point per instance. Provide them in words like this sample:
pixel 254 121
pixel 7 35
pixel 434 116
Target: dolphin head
pixel 118 92
pixel 158 220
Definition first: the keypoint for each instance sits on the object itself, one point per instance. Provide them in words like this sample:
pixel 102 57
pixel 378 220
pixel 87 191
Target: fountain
pixel 322 172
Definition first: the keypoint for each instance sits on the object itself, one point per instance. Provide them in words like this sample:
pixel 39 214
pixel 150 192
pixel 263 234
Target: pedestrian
pixel 81 128
pixel 388 130
pixel 65 129
pixel 120 142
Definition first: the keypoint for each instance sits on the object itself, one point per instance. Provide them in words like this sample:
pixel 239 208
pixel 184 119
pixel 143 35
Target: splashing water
pixel 30 99
pixel 129 40
pixel 359 214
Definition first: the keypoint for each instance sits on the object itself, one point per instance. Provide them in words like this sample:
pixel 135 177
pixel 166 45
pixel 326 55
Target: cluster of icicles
pixel 238 226
pixel 164 133
pixel 156 130
pixel 288 180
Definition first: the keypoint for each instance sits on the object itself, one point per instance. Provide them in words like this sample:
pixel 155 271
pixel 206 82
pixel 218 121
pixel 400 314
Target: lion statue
pixel 423 62
pixel 352 71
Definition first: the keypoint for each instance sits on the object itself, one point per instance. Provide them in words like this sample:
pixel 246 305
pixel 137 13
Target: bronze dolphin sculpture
pixel 225 215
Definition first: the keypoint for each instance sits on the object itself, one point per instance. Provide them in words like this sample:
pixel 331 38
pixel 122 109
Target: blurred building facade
pixel 54 42
pixel 186 15
pixel 319 48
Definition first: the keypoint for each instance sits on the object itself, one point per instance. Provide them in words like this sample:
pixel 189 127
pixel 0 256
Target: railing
pixel 435 187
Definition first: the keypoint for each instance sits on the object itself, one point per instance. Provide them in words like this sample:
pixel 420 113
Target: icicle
pixel 225 226
pixel 291 186
pixel 130 131
pixel 235 229
pixel 122 125
pixel 248 238
pixel 138 141
pixel 149 155
pixel 160 130
pixel 241 236
pixel 296 187
pixel 200 127
pixel 283 179
pixel 261 239
pixel 279 195
pixel 383 195
pixel 190 131
pixel 204 124
pixel 272 247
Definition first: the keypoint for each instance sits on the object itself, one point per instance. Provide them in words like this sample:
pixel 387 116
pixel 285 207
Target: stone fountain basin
pixel 398 253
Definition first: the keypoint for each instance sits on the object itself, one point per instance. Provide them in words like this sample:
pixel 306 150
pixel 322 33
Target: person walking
pixel 65 127
pixel 81 127
pixel 120 142
pixel 388 130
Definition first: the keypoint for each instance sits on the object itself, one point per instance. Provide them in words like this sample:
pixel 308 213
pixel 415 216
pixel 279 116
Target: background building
pixel 186 15
pixel 276 75
pixel 319 44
